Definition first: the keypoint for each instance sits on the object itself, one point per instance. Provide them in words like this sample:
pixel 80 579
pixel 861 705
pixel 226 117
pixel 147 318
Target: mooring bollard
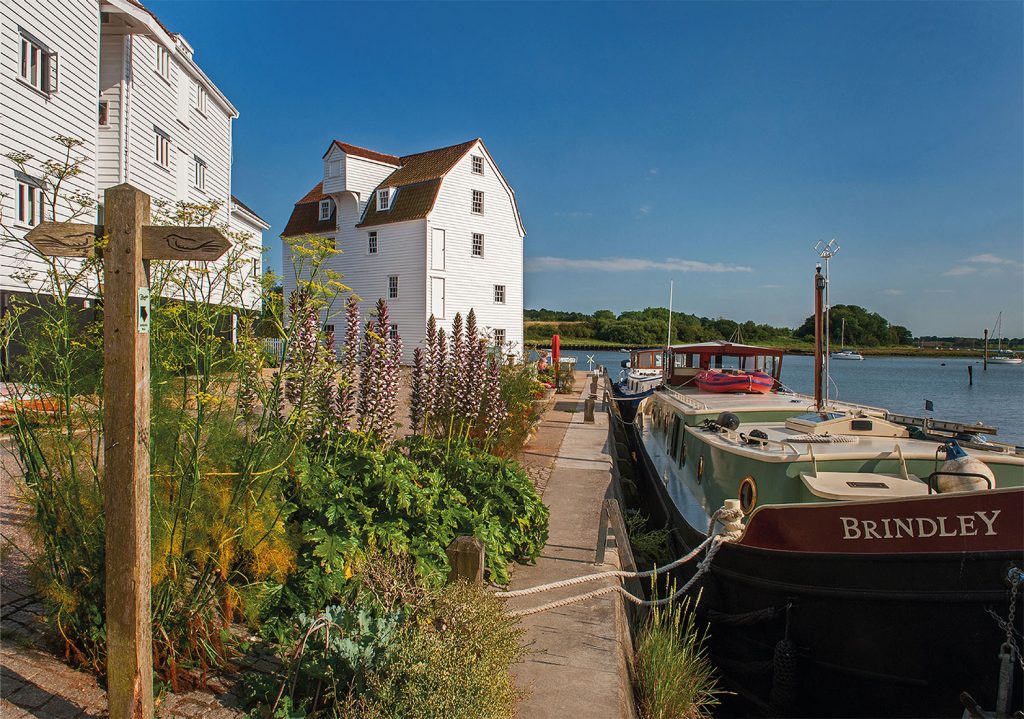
pixel 588 410
pixel 466 557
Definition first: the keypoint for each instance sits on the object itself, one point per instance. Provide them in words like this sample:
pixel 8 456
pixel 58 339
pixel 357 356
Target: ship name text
pixel 960 525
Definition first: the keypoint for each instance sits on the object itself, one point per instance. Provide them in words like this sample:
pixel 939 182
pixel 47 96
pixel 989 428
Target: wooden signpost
pixel 132 243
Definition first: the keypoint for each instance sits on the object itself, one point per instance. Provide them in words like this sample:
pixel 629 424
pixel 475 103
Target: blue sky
pixel 709 143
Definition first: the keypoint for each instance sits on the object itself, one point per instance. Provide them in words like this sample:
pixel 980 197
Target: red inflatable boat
pixel 715 380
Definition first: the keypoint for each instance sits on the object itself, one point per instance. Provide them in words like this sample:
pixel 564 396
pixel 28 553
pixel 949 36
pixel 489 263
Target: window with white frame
pixel 393 332
pixel 201 98
pixel 104 113
pixel 478 202
pixel 499 294
pixel 325 209
pixel 393 287
pixel 162 148
pixel 255 267
pixel 371 243
pixel 163 62
pixel 499 338
pixel 384 198
pixel 478 244
pixel 478 165
pixel 200 178
pixel 38 64
pixel 30 203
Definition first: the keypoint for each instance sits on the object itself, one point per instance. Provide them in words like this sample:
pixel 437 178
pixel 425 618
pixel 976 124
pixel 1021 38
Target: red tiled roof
pixel 417 179
pixel 305 218
pixel 363 152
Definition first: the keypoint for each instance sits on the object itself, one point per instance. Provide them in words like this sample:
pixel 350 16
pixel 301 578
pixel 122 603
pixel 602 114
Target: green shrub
pixel 673 677
pixel 403 648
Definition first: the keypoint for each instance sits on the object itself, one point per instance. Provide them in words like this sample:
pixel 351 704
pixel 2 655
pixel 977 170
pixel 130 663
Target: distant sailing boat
pixel 843 353
pixel 1003 356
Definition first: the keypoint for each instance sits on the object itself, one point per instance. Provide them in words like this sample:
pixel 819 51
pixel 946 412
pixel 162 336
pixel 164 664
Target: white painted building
pixel 437 233
pixel 109 73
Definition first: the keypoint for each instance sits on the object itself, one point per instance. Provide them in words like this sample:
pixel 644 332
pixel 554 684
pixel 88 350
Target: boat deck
pixel 693 401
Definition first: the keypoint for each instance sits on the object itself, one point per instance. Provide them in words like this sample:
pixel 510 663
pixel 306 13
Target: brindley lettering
pixel 960 525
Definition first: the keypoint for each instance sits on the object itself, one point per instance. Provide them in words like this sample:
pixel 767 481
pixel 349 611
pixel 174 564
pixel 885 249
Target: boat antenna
pixel 826 251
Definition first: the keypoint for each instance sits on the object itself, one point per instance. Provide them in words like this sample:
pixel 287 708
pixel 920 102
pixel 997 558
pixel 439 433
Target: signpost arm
pixel 126 456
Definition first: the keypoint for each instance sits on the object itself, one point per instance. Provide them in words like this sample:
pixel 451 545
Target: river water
pixel 902 384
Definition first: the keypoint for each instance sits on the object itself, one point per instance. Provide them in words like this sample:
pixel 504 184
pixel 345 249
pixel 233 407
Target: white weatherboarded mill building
pixel 437 232
pixel 110 74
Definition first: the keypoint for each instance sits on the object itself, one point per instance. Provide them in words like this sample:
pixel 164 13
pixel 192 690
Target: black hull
pixel 628 401
pixel 879 635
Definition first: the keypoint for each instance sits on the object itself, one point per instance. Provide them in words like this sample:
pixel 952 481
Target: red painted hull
pixel 711 380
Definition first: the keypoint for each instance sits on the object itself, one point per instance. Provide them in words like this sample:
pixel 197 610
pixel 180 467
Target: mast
pixel 826 250
pixel 667 370
pixel 819 290
pixel 842 337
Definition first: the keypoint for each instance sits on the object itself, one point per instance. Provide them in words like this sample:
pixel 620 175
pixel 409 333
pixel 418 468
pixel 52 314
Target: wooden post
pixel 588 409
pixel 132 243
pixel 970 376
pixel 466 556
pixel 126 455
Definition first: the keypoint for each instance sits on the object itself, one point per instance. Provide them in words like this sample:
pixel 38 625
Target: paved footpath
pixel 577 665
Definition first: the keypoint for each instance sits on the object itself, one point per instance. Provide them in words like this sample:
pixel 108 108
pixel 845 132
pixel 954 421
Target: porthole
pixel 748 494
pixel 700 469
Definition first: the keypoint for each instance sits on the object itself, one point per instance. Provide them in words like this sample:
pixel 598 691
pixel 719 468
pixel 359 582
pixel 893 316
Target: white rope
pixel 620 573
pixel 702 567
pixel 731 531
pixel 820 438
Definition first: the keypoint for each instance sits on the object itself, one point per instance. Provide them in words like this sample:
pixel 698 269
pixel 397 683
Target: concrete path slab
pixel 577 665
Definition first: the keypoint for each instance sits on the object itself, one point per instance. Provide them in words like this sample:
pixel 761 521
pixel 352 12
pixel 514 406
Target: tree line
pixel 650 327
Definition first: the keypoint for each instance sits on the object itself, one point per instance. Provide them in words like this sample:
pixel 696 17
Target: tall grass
pixel 673 677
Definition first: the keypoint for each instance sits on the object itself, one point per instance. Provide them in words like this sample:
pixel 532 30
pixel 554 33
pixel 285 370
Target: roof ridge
pixel 403 158
pixel 365 152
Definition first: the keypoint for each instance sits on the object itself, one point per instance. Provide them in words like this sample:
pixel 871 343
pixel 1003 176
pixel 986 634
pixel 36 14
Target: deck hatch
pixel 869 485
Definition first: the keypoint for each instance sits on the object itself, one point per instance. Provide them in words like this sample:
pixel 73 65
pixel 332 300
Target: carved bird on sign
pixel 189 244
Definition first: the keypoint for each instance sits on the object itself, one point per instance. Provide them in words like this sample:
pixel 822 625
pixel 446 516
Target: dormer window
pixel 384 199
pixel 326 206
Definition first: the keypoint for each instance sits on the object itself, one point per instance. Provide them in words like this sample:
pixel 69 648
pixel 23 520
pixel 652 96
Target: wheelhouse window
pixel 200 178
pixel 371 243
pixel 163 62
pixel 384 199
pixel 162 148
pixel 499 294
pixel 478 202
pixel 325 209
pixel 478 165
pixel 30 203
pixel 478 244
pixel 38 65
pixel 393 287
